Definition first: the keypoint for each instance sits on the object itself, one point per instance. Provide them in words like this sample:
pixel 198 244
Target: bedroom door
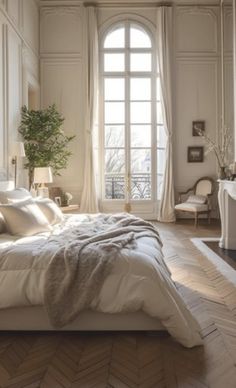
pixel 132 136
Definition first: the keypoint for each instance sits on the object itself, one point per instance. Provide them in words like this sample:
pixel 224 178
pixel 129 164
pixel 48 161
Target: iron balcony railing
pixel 140 187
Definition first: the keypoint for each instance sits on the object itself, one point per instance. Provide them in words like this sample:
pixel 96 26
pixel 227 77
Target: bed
pixel 128 288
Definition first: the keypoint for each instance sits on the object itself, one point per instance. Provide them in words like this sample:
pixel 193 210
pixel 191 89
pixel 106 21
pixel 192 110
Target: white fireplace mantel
pixel 227 205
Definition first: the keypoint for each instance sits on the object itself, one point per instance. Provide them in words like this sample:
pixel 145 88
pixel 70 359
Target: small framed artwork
pixel 198 126
pixel 55 192
pixel 58 201
pixel 195 154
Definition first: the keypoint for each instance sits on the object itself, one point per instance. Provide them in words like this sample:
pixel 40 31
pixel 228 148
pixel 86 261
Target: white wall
pixel 196 76
pixel 198 85
pixel 19 67
pixel 62 82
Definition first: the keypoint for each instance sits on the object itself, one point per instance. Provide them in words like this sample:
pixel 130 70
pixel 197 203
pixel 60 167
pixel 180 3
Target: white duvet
pixel 138 280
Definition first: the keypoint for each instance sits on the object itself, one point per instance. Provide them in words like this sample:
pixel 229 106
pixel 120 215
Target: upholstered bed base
pixel 35 318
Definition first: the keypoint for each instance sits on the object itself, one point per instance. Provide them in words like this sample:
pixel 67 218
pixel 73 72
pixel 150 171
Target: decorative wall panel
pixel 62 84
pixel 61 30
pixel 31 24
pixel 228 30
pixel 196 30
pixel 196 99
pixel 3 129
pixel 13 10
pixel 14 81
pixel 229 95
pixel 19 37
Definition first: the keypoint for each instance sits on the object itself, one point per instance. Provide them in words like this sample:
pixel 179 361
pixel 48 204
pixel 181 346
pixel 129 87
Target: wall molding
pixel 4 168
pixel 132 3
pixel 61 55
pixel 228 13
pixel 216 127
pixel 60 61
pixel 199 11
pixel 17 30
pixel 48 16
pixel 16 21
pixel 18 59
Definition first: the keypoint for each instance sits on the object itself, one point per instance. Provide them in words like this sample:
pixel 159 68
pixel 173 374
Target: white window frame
pixel 127 76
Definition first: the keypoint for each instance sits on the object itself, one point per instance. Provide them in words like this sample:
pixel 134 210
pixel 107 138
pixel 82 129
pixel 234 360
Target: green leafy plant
pixel 45 142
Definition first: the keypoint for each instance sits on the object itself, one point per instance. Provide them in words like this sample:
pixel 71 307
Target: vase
pixel 222 172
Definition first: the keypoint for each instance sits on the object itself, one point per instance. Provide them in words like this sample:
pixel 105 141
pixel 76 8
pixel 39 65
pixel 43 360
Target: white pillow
pixel 14 195
pixel 24 218
pixel 50 209
pixel 199 199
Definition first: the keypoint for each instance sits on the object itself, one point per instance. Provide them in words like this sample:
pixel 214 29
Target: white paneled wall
pixel 19 67
pixel 197 94
pixel 62 78
pixel 196 78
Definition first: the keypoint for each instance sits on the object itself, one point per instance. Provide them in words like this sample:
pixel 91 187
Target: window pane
pixel 141 186
pixel 159 185
pixel 115 160
pixel 161 137
pixel 114 112
pixel 114 62
pixel 140 62
pixel 158 89
pixel 140 112
pixel 140 89
pixel 115 39
pixel 114 136
pixel 160 161
pixel 114 89
pixel 140 161
pixel 115 187
pixel 159 114
pixel 139 38
pixel 140 135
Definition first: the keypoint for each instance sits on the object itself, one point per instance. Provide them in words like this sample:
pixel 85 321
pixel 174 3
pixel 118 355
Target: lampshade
pixel 42 175
pixel 18 149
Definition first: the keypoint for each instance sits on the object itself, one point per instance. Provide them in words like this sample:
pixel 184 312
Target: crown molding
pixel 131 3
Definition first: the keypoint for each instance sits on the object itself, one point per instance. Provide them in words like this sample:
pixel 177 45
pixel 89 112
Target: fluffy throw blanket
pixel 78 269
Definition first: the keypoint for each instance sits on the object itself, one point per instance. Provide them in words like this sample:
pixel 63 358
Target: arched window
pixel 133 139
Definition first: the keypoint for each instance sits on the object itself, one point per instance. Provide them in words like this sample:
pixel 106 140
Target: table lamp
pixel 18 150
pixel 42 175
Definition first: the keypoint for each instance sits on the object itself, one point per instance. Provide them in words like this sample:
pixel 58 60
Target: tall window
pixel 133 133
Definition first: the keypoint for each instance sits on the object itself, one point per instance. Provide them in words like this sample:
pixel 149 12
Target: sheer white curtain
pixel 89 200
pixel 164 37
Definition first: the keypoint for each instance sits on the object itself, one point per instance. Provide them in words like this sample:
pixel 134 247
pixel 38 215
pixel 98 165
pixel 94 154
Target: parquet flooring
pixel 131 360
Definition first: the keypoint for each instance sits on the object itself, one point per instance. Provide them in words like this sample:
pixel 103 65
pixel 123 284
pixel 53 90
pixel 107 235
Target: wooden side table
pixel 70 209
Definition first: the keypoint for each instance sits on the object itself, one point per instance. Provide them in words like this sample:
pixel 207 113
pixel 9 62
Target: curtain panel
pixel 166 211
pixel 89 199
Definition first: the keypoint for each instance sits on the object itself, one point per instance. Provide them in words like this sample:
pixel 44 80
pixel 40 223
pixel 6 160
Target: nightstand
pixel 70 209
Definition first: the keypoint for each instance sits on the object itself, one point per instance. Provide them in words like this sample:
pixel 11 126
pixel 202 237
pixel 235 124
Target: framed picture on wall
pixel 195 154
pixel 196 126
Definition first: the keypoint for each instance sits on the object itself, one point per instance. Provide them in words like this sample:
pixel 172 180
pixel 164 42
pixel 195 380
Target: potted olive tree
pixel 45 142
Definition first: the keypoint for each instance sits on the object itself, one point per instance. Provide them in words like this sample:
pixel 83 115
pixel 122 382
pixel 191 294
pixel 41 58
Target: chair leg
pixel 196 219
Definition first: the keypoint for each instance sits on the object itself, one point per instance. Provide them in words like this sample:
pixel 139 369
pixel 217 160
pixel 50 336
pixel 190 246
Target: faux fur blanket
pixel 78 269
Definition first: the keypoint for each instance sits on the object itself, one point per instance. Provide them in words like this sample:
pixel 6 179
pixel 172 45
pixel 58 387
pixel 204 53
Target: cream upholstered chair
pixel 200 200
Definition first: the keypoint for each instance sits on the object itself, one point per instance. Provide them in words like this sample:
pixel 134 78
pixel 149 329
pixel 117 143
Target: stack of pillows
pixel 22 215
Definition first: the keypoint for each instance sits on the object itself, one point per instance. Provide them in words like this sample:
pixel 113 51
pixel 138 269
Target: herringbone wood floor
pixel 121 360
